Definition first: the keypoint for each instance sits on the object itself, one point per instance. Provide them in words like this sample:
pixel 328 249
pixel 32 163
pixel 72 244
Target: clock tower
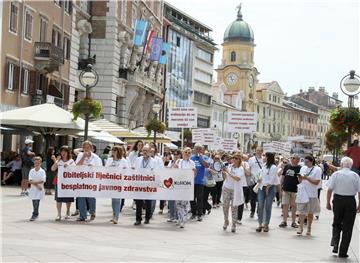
pixel 237 71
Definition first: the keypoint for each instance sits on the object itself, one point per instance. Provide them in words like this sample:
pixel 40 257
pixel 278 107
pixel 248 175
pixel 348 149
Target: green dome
pixel 239 30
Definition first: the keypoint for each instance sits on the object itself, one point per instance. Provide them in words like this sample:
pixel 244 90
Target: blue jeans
pixel 36 204
pixel 82 206
pixel 115 203
pixel 265 201
pixel 153 206
pixel 172 209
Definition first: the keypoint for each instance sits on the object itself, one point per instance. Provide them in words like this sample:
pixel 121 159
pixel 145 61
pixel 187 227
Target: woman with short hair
pixel 116 160
pixel 268 184
pixel 63 160
pixel 232 192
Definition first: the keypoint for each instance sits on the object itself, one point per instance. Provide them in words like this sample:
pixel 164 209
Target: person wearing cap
pixel 201 163
pixel 27 157
pixel 344 184
pixel 289 182
pixel 87 158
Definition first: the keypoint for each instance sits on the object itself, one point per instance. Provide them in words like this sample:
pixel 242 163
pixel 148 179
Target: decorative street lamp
pixel 88 79
pixel 156 109
pixel 350 86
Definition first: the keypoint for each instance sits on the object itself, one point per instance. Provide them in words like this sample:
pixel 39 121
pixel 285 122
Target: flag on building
pixel 141 27
pixel 156 47
pixel 148 41
pixel 165 49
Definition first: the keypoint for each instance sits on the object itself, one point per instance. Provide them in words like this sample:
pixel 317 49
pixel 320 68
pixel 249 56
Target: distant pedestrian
pixel 37 178
pixel 63 160
pixel 88 158
pixel 310 177
pixel 269 183
pixel 27 156
pixel 345 184
pixel 232 193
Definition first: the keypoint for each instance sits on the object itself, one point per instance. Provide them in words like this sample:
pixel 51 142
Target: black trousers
pixel 36 204
pixel 162 204
pixel 253 198
pixel 207 191
pixel 344 208
pixel 139 207
pixel 198 203
pixel 217 193
pixel 246 191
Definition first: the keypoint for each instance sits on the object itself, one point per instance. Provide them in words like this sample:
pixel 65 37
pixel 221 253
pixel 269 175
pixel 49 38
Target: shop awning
pixel 114 129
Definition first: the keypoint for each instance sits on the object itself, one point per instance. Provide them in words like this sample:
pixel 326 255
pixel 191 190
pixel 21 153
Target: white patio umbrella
pixel 102 136
pixel 45 118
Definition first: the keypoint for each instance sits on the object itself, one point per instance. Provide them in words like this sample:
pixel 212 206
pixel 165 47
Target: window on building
pixel 11 76
pixel 257 126
pixel 28 25
pixel 26 80
pixel 13 16
pixel 203 76
pixel 133 16
pixel 123 10
pixel 263 128
pixel 207 56
pixel 269 128
pixel 66 47
pixel 233 56
pixel 269 97
pixel 178 41
pixel 264 112
pixel 215 116
pixel 269 112
pixel 84 5
pixel 56 37
pixel 258 109
pixel 43 29
pixel 274 128
pixel 67 6
pixel 202 98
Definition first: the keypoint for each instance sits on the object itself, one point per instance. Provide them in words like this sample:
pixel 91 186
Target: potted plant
pixel 345 118
pixel 87 106
pixel 155 125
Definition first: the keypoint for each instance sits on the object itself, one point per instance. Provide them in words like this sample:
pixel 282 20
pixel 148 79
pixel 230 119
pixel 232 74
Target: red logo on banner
pixel 168 182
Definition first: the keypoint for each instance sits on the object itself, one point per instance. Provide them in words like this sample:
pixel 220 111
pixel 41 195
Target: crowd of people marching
pixel 233 180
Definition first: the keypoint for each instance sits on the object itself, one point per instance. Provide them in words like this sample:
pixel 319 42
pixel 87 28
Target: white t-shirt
pixel 313 173
pixel 141 163
pixel 269 176
pixel 37 176
pixel 158 162
pixel 237 172
pixel 185 164
pixel 93 160
pixel 254 165
pixel 122 163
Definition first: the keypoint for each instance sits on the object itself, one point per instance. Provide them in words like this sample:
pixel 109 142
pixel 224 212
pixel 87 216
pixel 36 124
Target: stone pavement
pixel 100 241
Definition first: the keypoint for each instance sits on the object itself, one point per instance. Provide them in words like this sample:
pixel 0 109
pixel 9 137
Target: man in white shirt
pixel 88 158
pixel 255 164
pixel 345 184
pixel 141 163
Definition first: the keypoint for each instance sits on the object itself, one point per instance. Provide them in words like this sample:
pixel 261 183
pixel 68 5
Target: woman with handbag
pixel 268 184
pixel 232 193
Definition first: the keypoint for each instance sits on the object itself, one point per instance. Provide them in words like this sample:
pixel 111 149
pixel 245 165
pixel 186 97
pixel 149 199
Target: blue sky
pixel 298 43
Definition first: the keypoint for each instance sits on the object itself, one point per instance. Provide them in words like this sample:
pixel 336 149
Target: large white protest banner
pixel 182 117
pixel 242 121
pixel 114 182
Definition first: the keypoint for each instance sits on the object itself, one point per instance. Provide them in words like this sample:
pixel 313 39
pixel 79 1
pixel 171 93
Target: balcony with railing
pixel 48 57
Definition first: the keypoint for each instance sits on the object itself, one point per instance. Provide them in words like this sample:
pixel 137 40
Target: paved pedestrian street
pixel 100 241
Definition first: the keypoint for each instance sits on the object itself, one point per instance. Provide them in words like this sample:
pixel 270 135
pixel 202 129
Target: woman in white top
pixel 135 152
pixel 116 160
pixel 310 177
pixel 181 206
pixel 269 182
pixel 63 160
pixel 232 193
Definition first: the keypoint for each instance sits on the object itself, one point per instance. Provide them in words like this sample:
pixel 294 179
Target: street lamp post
pixel 350 86
pixel 156 109
pixel 88 79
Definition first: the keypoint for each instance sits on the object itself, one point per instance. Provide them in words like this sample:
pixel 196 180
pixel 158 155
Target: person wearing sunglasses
pixel 232 192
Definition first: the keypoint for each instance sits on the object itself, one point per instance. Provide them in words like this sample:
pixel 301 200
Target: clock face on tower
pixel 231 79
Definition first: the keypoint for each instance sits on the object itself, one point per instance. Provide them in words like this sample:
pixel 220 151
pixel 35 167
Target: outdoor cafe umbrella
pixel 46 119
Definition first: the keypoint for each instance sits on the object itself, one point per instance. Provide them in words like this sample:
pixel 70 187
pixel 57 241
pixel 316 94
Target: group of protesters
pixel 233 180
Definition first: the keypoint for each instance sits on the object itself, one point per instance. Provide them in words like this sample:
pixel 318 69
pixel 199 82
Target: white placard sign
pixel 242 121
pixel 204 136
pixel 183 117
pixel 268 147
pixel 228 145
pixel 113 182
